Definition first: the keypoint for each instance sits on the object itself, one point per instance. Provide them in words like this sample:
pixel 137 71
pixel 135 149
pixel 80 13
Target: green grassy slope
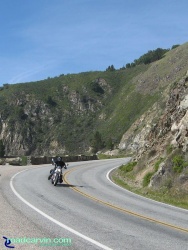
pixel 70 108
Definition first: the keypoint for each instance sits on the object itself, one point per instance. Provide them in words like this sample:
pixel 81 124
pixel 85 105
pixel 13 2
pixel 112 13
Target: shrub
pixel 147 179
pixel 97 88
pixel 51 102
pixel 169 149
pixel 24 160
pixel 175 46
pixel 128 167
pixel 2 149
pixel 178 163
pixel 152 153
pixel 157 164
pixel 168 183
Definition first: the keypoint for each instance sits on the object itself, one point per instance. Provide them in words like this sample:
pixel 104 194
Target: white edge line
pixel 168 205
pixel 52 219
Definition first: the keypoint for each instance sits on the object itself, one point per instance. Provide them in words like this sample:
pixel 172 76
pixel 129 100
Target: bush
pixel 24 160
pixel 51 102
pixel 97 88
pixel 147 179
pixel 152 153
pixel 2 149
pixel 169 149
pixel 175 46
pixel 157 164
pixel 178 163
pixel 128 167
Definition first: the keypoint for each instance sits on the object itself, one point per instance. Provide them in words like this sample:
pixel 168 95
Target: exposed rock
pixel 83 104
pixel 170 128
pixel 173 123
pixel 183 178
pixel 157 177
pixel 184 103
pixel 2 161
pixel 14 161
pixel 180 139
pixel 103 83
pixel 112 152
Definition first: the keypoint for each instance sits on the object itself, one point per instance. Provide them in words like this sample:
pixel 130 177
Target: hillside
pixel 158 139
pixel 61 115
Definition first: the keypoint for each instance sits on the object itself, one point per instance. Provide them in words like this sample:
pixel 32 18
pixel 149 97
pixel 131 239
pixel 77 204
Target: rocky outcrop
pixel 84 103
pixel 33 126
pixel 155 131
pixel 19 130
pixel 17 161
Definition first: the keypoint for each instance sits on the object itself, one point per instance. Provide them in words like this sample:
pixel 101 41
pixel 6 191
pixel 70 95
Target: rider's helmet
pixel 59 158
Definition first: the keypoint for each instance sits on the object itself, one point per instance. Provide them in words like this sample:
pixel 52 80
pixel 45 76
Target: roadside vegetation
pixel 162 195
pixel 167 192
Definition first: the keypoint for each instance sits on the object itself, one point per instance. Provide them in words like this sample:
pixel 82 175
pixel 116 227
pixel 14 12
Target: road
pixel 88 209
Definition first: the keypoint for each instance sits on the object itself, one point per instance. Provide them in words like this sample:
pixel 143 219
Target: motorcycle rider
pixel 58 162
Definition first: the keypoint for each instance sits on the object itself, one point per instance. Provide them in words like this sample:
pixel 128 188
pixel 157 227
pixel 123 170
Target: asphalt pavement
pixel 87 210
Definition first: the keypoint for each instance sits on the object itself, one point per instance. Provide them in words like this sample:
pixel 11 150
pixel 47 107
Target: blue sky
pixel 47 38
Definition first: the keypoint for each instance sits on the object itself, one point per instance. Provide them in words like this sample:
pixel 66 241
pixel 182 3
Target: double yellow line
pixel 120 208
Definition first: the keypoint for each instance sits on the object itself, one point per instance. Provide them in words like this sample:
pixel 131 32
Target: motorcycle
pixel 57 176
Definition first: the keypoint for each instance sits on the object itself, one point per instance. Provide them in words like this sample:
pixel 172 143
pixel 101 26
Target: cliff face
pixel 169 77
pixel 161 125
pixel 53 124
pixel 161 135
pixel 20 132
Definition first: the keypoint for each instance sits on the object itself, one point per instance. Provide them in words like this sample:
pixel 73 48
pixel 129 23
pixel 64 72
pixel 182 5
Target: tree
pixel 6 85
pixel 97 143
pixel 151 56
pixel 97 88
pixel 175 46
pixel 51 102
pixel 111 68
pixel 110 144
pixel 2 149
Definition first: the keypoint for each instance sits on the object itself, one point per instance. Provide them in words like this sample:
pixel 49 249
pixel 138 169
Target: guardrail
pixel 48 160
pixel 33 160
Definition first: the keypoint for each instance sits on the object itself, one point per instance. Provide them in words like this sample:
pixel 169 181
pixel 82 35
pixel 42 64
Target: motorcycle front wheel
pixel 56 179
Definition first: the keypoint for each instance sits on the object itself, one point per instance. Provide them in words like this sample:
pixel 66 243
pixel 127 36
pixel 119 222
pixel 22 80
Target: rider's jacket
pixel 59 163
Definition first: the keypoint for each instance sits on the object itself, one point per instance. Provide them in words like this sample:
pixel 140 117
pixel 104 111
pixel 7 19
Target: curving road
pixel 92 211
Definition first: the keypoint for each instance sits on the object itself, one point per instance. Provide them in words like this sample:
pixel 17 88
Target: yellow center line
pixel 120 208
